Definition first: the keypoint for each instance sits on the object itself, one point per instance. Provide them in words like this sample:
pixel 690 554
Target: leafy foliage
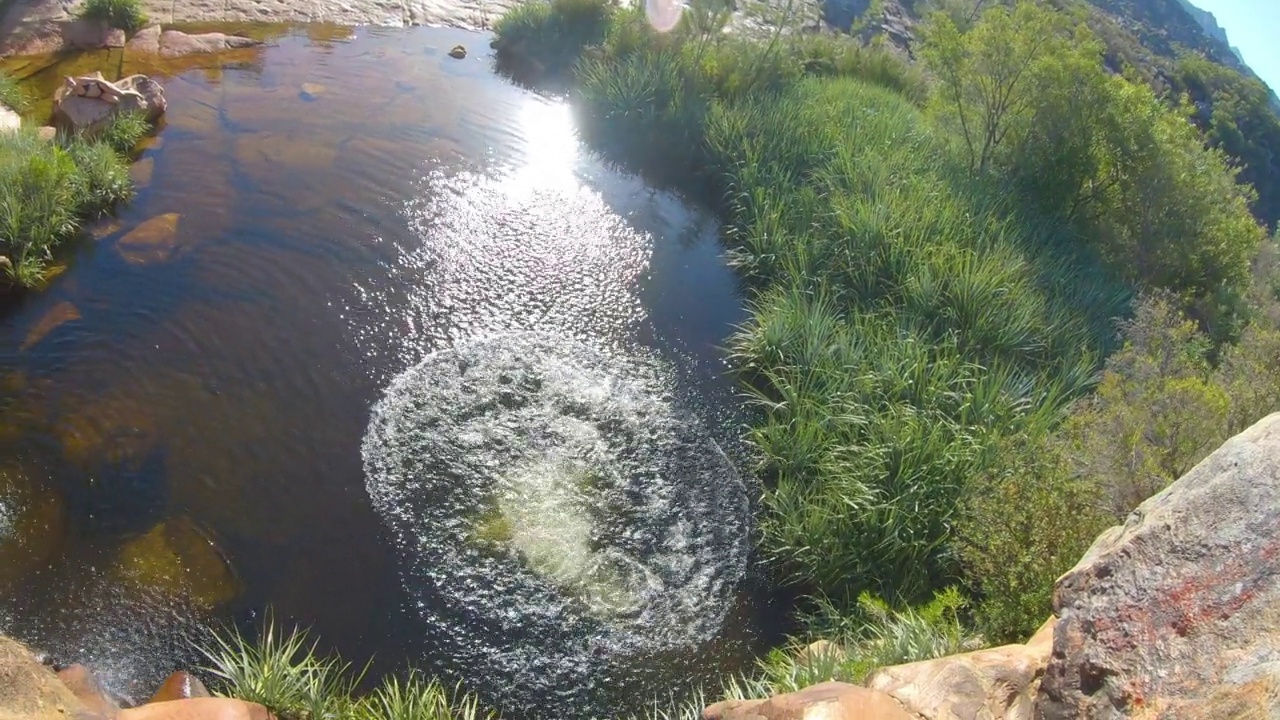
pixel 283 670
pixel 123 14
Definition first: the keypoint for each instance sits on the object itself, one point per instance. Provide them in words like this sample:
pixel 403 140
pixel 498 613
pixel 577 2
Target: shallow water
pixel 334 237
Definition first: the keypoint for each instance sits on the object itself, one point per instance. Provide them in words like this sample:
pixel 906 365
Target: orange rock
pixel 155 240
pixel 85 686
pixel 198 709
pixel 824 701
pixel 180 686
pixel 63 312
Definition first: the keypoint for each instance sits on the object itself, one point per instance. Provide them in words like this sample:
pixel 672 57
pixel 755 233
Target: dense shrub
pixel 550 33
pixel 123 14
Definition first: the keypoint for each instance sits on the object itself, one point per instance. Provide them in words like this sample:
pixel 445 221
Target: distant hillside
pixel 1171 44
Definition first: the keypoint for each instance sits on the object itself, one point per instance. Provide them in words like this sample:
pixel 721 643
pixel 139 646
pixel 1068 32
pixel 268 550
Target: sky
pixel 1254 27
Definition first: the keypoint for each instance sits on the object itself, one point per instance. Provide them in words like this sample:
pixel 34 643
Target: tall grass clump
pixel 48 188
pixel 544 38
pixel 123 14
pixel 11 94
pixel 283 670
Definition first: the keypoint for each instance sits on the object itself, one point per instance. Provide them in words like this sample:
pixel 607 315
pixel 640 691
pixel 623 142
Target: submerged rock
pixel 1177 612
pixel 458 52
pixel 60 314
pixel 32 522
pixel 154 241
pixel 176 559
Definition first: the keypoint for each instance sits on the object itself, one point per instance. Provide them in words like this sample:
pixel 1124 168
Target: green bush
pixel 551 33
pixel 283 671
pixel 1024 521
pixel 11 94
pixel 123 14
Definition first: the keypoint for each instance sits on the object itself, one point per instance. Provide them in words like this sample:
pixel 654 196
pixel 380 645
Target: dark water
pixel 185 408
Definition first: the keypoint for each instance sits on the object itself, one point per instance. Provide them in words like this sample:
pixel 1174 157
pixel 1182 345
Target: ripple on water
pixel 561 515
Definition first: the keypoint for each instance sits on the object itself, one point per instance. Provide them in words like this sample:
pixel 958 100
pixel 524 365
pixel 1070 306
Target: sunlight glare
pixel 663 15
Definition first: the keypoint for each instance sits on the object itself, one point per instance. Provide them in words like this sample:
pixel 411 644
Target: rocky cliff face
pixel 1175 614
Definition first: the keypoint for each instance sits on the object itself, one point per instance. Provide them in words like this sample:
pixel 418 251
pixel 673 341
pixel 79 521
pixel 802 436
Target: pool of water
pixel 381 347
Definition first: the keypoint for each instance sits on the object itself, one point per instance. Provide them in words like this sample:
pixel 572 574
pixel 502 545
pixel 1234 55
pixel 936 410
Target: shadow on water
pixel 184 408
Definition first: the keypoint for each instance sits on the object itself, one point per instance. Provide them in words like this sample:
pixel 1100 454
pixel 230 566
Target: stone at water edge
pixel 998 682
pixel 77 113
pixel 174 43
pixel 144 42
pixel 86 687
pixel 824 701
pixel 458 52
pixel 29 690
pixel 204 708
pixel 180 686
pixel 1177 613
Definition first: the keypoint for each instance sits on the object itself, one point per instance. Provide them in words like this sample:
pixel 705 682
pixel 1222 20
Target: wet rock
pixel 180 686
pixel 30 691
pixel 10 121
pixel 86 104
pixel 154 241
pixel 174 43
pixel 85 686
pixel 141 172
pixel 178 560
pixel 145 42
pixel 198 709
pixel 824 701
pixel 997 682
pixel 311 91
pixel 458 52
pixel 63 312
pixel 1177 612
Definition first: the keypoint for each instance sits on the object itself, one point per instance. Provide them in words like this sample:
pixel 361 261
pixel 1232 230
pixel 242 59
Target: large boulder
pixel 1177 612
pixel 824 701
pixel 999 682
pixel 174 43
pixel 90 113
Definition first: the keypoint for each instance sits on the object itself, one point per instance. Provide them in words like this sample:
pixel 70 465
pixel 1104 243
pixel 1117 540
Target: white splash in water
pixel 557 509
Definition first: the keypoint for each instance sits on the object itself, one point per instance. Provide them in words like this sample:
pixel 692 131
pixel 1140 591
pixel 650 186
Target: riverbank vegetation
pixel 936 270
pixel 48 188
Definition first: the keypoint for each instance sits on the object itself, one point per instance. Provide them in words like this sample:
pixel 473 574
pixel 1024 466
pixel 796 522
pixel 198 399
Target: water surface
pixel 340 236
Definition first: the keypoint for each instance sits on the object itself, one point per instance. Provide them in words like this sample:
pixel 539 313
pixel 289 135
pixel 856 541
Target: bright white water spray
pixel 557 509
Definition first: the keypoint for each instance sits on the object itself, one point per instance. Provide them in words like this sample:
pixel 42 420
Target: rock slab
pixel 89 115
pixel 999 682
pixel 824 701
pixel 1177 612
pixel 31 691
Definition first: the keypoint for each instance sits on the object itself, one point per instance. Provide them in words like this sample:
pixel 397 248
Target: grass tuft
pixel 283 670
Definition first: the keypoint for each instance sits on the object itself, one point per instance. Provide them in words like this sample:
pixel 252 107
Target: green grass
pixel 11 94
pixel 124 14
pixel 283 670
pixel 47 189
pixel 541 39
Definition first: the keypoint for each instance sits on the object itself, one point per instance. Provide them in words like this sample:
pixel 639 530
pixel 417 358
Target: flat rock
pixel 824 701
pixel 174 43
pixel 198 709
pixel 178 560
pixel 89 115
pixel 154 241
pixel 1177 612
pixel 146 41
pixel 998 682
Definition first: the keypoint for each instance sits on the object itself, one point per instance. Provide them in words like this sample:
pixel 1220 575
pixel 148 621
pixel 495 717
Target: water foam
pixel 559 510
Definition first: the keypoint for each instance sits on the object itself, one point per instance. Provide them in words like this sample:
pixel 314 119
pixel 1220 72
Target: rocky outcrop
pixel 1177 612
pixel 86 104
pixel 998 682
pixel 173 43
pixel 30 690
pixel 824 701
